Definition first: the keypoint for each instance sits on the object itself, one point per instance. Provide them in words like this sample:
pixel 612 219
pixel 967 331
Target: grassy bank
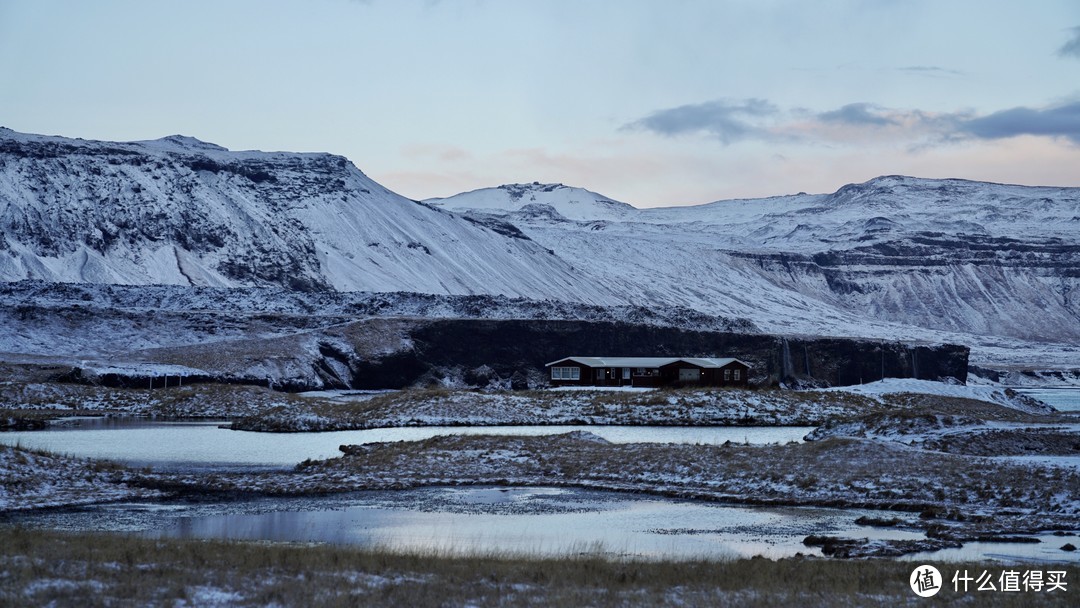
pixel 665 407
pixel 63 569
pixel 34 479
pixel 43 400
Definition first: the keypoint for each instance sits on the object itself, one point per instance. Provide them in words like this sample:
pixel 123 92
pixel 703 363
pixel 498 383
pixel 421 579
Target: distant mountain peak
pixel 185 142
pixel 517 191
pixel 567 201
pixel 178 210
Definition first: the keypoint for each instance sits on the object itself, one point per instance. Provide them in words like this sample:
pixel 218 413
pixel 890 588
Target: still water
pixel 1064 399
pixel 203 444
pixel 538 521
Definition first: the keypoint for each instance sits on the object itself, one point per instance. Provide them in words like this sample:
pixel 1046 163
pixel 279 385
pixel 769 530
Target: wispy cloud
pixel 930 70
pixel 1059 121
pixel 859 122
pixel 727 120
pixel 1072 47
pixel 859 114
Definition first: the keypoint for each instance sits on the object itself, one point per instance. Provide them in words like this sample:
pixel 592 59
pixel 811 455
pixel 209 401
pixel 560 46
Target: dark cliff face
pixel 443 347
pixel 128 197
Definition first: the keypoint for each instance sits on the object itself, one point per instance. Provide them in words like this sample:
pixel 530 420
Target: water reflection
pixel 539 521
pixel 1064 399
pixel 202 444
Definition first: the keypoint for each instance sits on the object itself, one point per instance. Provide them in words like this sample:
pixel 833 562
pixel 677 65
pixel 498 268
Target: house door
pixel 626 375
pixel 687 374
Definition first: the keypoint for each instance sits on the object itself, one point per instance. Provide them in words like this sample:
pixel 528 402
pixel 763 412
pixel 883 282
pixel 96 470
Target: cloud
pixel 1059 121
pixel 758 119
pixel 1072 47
pixel 930 70
pixel 859 123
pixel 728 120
pixel 858 114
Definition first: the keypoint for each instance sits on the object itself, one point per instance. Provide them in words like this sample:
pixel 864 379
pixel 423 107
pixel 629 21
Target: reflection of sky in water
pixel 1064 399
pixel 542 521
pixel 201 444
pixel 534 521
pixel 1048 551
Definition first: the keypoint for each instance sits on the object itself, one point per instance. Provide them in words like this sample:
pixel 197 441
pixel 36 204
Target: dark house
pixel 648 371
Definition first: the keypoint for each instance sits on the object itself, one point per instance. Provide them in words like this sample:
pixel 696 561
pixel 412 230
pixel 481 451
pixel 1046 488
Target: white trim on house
pixel 647 362
pixel 619 361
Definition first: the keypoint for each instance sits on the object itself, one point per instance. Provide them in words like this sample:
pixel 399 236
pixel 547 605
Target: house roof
pixel 649 362
pixel 619 361
pixel 712 362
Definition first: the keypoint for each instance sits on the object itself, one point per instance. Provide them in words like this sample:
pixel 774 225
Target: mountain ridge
pixel 898 258
pixel 172 212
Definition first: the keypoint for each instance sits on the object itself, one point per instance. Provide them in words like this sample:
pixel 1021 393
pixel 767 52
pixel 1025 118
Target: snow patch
pixel 990 393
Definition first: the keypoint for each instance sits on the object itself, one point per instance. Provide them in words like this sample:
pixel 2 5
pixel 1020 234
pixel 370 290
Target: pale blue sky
pixel 650 102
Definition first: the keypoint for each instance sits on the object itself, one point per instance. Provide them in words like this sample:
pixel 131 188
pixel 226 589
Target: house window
pixel 727 375
pixel 738 373
pixel 565 373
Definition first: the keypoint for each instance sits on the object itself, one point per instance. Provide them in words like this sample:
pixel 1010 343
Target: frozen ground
pixel 35 480
pixel 719 407
pixel 991 393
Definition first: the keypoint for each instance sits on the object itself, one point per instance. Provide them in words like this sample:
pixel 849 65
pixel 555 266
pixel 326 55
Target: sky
pixel 653 103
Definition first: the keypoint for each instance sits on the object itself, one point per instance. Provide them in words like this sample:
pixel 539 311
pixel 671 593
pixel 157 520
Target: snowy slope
pixel 566 202
pixel 181 211
pixel 992 266
pixel 992 394
pixel 970 262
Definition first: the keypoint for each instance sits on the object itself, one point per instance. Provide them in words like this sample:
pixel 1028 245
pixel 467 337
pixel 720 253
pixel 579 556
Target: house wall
pixel 671 376
pixel 601 376
pixel 584 372
pixel 743 380
pixel 707 376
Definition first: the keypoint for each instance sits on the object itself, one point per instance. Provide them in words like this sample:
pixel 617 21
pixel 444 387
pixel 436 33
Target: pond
pixel 517 520
pixel 539 521
pixel 203 444
pixel 1064 399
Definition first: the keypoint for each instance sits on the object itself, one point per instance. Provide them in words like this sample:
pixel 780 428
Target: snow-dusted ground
pixel 114 328
pixel 965 494
pixel 990 393
pixel 560 407
pixel 32 480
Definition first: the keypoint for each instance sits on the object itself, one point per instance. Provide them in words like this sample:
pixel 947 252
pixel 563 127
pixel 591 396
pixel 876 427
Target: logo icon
pixel 926 581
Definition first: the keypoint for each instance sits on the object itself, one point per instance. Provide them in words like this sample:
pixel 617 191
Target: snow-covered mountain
pixel 564 201
pixel 972 262
pixel 181 211
pixel 993 266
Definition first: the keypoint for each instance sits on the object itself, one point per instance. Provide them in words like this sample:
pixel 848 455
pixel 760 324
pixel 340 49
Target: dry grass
pixel 194 400
pixel 19 420
pixel 60 569
pixel 914 404
pixel 675 407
